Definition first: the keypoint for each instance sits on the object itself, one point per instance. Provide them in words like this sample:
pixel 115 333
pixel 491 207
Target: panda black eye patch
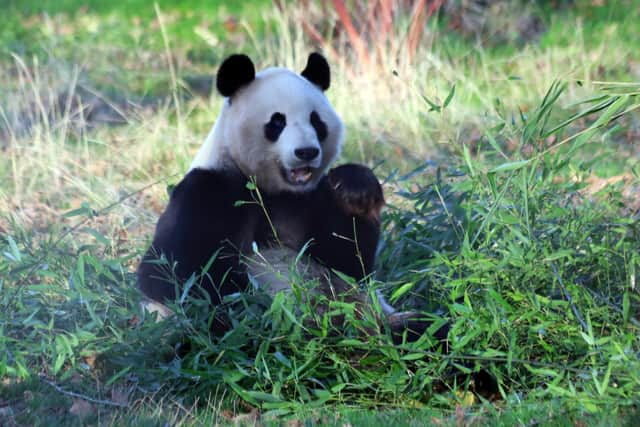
pixel 319 126
pixel 274 127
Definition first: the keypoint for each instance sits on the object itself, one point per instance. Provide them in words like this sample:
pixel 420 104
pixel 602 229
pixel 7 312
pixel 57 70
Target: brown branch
pixel 385 35
pixel 386 17
pixel 418 19
pixel 415 28
pixel 354 38
pixel 81 396
pixel 326 47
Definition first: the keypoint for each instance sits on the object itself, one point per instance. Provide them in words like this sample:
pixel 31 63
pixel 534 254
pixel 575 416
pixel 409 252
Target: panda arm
pixel 346 225
pixel 200 220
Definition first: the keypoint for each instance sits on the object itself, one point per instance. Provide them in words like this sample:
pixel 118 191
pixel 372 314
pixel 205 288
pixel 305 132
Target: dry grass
pixel 53 153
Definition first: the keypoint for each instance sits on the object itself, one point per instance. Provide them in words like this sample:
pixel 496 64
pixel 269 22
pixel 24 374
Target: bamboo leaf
pixel 511 166
pixel 401 291
pixel 449 97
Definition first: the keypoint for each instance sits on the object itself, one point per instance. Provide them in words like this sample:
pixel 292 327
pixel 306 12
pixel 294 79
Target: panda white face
pixel 282 129
pixel 276 125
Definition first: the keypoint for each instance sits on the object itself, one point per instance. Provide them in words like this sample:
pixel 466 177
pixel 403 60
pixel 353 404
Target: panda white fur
pixel 277 128
pixel 296 114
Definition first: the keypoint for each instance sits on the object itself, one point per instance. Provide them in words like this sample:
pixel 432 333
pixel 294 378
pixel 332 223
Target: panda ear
pixel 317 71
pixel 235 72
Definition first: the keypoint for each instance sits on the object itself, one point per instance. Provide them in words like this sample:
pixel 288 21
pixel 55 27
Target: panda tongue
pixel 300 175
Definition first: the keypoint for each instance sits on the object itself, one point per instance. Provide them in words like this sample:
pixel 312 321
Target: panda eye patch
pixel 274 127
pixel 319 126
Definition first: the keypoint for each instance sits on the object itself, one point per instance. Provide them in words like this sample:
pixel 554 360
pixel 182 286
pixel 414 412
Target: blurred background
pixel 98 98
pixel 122 90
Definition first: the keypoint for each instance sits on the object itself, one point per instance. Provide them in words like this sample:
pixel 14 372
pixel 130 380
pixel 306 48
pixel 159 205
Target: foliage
pixel 534 278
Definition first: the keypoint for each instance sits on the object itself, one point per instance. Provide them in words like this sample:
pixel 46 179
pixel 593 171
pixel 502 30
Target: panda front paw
pixel 357 191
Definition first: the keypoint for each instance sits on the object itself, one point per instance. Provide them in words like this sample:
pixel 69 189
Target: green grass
pixel 512 211
pixel 124 23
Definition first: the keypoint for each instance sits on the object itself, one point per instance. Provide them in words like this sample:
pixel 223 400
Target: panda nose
pixel 307 154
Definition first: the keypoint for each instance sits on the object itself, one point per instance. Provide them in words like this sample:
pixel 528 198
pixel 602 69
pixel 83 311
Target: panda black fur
pixel 279 128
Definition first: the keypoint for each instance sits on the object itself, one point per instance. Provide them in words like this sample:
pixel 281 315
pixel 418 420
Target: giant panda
pixel 277 130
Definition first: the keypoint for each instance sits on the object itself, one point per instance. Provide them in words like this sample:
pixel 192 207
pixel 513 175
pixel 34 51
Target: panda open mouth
pixel 298 176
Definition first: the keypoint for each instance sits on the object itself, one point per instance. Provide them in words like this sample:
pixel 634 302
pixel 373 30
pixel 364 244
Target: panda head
pixel 278 125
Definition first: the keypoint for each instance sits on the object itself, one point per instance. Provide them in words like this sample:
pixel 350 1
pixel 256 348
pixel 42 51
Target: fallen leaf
pixel 81 408
pixel 133 322
pixel 242 418
pixel 90 360
pixel 466 398
pixel 230 24
pixel 247 418
pixel 120 395
pixel 460 416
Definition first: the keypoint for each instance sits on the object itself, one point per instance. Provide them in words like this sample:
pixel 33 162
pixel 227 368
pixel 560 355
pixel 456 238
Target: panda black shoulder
pixel 206 182
pixel 200 218
pixel 198 178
